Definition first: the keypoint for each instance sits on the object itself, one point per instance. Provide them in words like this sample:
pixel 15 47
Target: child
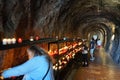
pixel 85 56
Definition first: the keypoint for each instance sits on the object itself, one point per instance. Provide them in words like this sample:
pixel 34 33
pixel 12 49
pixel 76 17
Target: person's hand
pixel 1 78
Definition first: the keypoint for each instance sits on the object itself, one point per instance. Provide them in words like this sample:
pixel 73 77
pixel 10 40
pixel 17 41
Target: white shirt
pixel 84 51
pixel 99 42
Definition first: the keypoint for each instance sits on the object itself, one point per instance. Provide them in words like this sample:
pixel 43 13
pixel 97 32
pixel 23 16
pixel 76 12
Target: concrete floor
pixel 102 68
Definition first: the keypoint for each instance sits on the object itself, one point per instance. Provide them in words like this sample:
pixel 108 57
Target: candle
pixel 36 38
pixel 19 40
pixel 4 41
pixel 9 41
pixel 31 38
pixel 56 37
pixel 13 40
pixel 64 38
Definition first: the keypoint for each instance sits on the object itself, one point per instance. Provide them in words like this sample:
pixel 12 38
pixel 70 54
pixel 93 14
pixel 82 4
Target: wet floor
pixel 103 68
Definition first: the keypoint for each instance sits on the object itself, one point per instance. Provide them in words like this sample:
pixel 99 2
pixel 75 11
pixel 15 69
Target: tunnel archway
pixel 82 18
pixel 63 18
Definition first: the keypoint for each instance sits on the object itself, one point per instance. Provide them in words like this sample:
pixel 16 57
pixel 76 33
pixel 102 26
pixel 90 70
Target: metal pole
pixel 58 72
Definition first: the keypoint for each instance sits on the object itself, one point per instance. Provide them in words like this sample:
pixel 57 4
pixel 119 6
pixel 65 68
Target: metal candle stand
pixel 58 42
pixel 41 41
pixel 26 43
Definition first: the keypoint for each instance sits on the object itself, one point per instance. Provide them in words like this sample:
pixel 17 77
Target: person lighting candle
pixel 38 67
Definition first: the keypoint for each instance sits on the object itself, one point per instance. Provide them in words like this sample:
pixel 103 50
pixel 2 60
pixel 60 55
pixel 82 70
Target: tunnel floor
pixel 103 68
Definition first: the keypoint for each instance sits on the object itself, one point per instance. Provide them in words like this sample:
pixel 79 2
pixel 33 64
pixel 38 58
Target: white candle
pixel 31 38
pixel 64 38
pixel 13 40
pixel 9 41
pixel 4 41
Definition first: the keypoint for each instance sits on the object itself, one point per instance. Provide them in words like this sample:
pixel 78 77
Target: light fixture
pixel 113 37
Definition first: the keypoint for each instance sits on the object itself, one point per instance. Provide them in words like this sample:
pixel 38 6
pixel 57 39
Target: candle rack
pixel 26 43
pixel 61 59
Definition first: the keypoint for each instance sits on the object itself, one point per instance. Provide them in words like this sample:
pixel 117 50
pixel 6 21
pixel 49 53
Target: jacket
pixel 33 69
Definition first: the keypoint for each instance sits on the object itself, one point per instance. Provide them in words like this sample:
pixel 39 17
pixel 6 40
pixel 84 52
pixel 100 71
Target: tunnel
pixel 71 19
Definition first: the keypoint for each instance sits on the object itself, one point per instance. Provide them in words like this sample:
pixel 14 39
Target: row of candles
pixel 6 41
pixel 65 59
pixel 63 50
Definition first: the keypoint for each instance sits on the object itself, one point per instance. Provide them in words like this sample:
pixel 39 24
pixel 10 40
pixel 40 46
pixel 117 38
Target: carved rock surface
pixel 50 18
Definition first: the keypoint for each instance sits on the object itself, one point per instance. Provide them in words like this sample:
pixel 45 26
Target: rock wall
pixel 50 18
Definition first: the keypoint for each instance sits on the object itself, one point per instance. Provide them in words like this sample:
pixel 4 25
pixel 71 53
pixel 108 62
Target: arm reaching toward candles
pixel 1 77
pixel 22 69
pixel 35 68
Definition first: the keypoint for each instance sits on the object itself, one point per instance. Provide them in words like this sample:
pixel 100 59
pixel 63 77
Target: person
pixel 38 67
pixel 99 43
pixel 85 55
pixel 92 49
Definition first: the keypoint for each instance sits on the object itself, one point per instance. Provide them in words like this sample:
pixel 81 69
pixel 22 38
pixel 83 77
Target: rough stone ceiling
pixel 71 18
pixel 55 16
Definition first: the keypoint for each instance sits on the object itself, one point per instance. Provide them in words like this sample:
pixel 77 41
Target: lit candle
pixel 31 38
pixel 19 40
pixel 60 67
pixel 36 38
pixel 4 41
pixel 56 37
pixel 64 38
pixel 13 40
pixel 53 67
pixel 9 41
